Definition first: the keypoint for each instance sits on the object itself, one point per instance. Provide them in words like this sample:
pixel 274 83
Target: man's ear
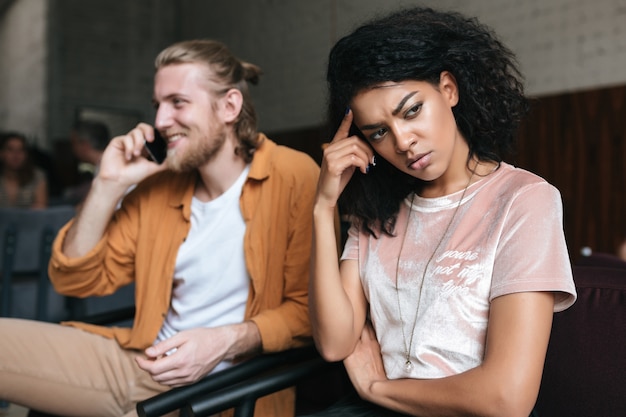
pixel 232 102
pixel 449 88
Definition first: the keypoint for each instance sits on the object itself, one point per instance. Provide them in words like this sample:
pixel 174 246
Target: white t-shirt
pixel 506 237
pixel 211 282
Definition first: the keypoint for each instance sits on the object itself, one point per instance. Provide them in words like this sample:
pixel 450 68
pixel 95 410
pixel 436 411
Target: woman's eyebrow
pixel 403 102
pixel 394 112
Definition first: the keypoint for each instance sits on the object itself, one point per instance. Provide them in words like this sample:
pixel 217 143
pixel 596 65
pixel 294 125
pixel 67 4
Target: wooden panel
pixel 577 142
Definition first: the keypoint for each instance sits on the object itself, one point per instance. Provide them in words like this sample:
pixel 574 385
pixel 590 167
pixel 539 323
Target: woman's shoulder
pixel 514 185
pixel 520 188
pixel 519 179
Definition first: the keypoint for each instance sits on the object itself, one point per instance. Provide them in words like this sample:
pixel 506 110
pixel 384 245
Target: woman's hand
pixel 365 363
pixel 342 156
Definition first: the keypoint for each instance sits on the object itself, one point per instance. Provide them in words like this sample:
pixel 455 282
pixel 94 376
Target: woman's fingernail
pixel 367 169
pixel 347 109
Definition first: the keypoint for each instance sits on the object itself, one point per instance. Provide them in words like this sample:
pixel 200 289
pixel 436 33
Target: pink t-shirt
pixel 506 237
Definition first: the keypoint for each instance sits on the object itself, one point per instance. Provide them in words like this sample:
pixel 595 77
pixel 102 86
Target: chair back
pixel 603 259
pixel 26 238
pixel 585 369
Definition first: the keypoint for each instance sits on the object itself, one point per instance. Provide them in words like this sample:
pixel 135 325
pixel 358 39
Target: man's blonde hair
pixel 227 71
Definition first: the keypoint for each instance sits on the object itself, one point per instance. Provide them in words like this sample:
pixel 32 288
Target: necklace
pixel 408 365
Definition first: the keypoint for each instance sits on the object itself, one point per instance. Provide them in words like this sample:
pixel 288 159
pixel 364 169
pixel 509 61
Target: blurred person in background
pixel 88 140
pixel 22 184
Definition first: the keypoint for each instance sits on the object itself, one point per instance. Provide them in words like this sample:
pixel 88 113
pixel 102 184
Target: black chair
pixel 239 386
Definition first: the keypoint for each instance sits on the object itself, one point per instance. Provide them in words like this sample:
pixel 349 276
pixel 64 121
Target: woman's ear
pixel 233 102
pixel 449 88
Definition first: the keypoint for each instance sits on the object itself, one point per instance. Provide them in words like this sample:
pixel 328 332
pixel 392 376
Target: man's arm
pixel 122 165
pixel 191 354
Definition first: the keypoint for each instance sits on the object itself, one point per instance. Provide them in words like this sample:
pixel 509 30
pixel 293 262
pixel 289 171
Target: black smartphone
pixel 157 149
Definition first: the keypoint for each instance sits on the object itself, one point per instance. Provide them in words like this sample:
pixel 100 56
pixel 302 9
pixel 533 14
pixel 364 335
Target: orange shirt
pixel 141 244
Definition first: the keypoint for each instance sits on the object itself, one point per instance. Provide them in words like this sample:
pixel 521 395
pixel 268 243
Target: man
pixel 216 239
pixel 89 139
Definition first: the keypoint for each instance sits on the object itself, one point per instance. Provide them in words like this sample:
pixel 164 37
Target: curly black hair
pixel 419 44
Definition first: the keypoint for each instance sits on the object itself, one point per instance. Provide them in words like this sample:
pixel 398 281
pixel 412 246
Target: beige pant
pixel 69 372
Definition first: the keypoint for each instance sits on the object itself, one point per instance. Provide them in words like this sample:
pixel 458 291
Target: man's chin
pixel 179 166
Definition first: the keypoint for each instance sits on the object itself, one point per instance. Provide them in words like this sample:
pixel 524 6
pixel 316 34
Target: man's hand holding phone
pixel 157 148
pixel 124 162
pixel 123 165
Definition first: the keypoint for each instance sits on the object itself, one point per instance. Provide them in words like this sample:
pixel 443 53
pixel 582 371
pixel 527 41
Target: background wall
pixel 63 58
pixel 23 68
pixel 59 55
pixel 562 45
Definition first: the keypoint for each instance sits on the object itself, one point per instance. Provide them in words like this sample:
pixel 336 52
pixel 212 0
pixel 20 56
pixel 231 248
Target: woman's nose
pixel 404 141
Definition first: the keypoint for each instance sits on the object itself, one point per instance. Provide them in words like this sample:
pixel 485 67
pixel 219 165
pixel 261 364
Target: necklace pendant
pixel 408 366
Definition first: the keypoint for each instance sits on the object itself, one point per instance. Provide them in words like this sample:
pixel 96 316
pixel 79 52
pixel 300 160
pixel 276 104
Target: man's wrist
pixel 247 340
pixel 113 190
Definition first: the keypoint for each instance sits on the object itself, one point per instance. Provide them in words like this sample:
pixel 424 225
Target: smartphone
pixel 157 149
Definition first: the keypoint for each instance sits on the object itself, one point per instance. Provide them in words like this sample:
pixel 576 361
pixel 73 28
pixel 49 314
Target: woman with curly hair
pixel 442 301
pixel 22 184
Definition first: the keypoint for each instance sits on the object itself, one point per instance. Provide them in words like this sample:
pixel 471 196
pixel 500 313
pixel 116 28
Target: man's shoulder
pixel 282 155
pixel 274 159
pixel 166 179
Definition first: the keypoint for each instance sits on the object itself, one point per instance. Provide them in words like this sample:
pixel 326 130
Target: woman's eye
pixel 414 110
pixel 377 135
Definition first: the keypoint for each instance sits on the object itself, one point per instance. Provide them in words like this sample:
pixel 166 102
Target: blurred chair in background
pixel 27 237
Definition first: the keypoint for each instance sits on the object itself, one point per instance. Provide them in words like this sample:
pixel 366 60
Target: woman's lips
pixel 421 162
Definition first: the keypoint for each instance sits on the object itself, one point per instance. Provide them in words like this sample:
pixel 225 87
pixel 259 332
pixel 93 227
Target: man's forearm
pixel 92 219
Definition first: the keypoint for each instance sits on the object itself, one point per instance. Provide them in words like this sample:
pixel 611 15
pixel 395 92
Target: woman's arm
pixel 337 305
pixel 505 384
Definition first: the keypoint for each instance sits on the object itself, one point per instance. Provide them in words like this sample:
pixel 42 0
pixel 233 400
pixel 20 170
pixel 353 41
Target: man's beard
pixel 202 151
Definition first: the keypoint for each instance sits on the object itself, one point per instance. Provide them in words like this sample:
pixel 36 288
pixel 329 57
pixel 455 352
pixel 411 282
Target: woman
pixel 22 185
pixel 442 303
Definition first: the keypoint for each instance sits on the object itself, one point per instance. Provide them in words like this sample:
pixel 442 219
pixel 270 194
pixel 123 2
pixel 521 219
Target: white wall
pixel 23 69
pixel 562 45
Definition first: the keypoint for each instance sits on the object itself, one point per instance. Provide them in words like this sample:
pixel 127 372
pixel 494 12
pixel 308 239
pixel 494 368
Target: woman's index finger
pixel 344 128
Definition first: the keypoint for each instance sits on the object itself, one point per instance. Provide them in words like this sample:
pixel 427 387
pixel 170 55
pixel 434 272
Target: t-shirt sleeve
pixel 532 253
pixel 351 247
